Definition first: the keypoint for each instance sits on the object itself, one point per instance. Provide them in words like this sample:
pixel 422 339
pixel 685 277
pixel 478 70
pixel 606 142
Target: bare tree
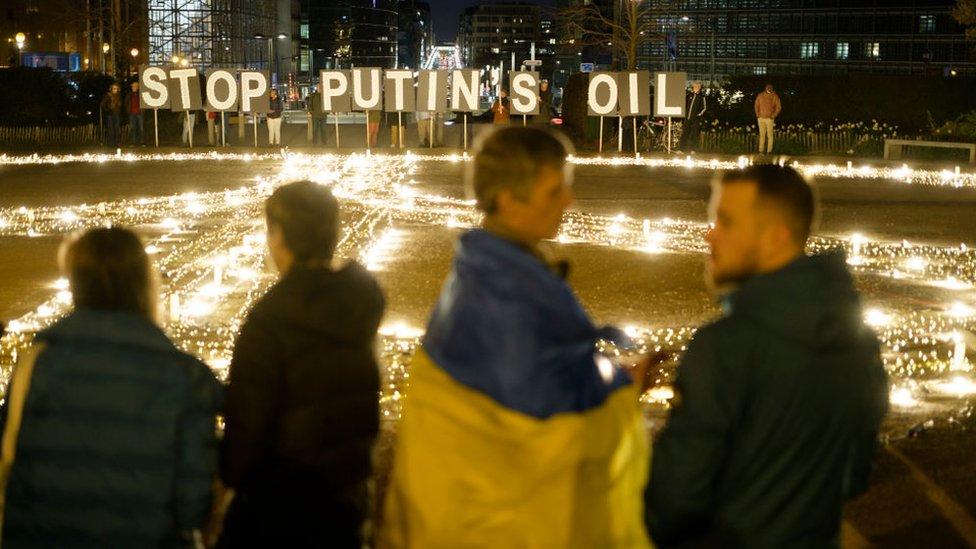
pixel 588 25
pixel 965 14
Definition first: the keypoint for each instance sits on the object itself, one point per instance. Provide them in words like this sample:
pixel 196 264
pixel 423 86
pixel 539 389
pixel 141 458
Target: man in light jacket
pixel 768 107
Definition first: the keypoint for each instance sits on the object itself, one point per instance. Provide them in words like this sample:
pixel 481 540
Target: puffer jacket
pixel 117 445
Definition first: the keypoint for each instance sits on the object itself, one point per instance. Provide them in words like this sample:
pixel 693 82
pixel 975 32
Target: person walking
pixel 501 109
pixel 134 110
pixel 768 107
pixel 514 432
pixel 108 429
pixel 276 107
pixel 777 404
pixel 189 121
pixel 111 107
pixel 302 410
pixel 317 117
pixel 691 128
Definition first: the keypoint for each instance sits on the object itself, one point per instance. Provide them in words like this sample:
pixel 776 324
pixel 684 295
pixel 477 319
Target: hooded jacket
pixel 302 404
pixel 118 445
pixel 776 415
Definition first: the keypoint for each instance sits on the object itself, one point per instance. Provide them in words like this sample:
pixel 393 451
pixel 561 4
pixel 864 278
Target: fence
pixel 837 142
pixel 54 136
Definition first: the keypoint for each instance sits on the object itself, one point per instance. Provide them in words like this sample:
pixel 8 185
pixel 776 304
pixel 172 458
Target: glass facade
pixel 211 32
pixel 351 33
pixel 723 37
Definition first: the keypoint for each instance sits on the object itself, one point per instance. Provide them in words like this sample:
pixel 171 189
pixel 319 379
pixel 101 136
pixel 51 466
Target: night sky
pixel 446 13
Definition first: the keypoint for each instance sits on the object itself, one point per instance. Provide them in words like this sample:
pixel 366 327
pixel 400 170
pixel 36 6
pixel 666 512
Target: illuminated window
pixel 809 50
pixel 843 50
pixel 872 50
pixel 926 23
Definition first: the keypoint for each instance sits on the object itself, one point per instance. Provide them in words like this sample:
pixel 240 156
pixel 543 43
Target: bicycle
pixel 652 135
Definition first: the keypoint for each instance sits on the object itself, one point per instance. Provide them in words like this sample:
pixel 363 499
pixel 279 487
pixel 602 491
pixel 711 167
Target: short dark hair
pixel 787 190
pixel 108 269
pixel 308 215
pixel 510 158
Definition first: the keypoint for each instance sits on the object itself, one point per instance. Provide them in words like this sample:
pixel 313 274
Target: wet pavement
pixel 407 238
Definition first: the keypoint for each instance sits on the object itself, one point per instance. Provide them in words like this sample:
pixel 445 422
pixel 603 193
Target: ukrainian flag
pixel 512 434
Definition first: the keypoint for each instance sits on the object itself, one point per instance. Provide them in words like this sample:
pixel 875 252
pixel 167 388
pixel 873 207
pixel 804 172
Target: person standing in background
pixel 697 105
pixel 134 110
pixel 373 125
pixel 274 118
pixel 212 135
pixel 768 107
pixel 545 104
pixel 317 117
pixel 189 120
pixel 500 109
pixel 112 111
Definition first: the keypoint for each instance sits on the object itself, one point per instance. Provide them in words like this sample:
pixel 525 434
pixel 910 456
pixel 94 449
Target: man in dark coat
pixel 302 403
pixel 697 106
pixel 778 403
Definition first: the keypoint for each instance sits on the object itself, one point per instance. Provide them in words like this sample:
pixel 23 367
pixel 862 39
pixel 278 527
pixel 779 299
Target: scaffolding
pixel 211 33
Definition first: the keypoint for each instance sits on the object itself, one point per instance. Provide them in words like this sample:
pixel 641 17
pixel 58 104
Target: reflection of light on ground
pixel 958 386
pixel 876 318
pixel 213 246
pixel 902 397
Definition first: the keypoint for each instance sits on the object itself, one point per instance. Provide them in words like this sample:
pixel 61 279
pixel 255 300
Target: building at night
pixel 415 34
pixel 209 33
pixel 97 34
pixel 488 34
pixel 350 33
pixel 710 39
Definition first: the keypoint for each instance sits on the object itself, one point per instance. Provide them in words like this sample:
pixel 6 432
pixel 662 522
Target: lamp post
pixel 20 38
pixel 105 49
pixel 272 61
pixel 134 52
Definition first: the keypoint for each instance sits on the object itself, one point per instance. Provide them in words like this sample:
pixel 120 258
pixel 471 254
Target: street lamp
pixel 134 52
pixel 272 61
pixel 105 48
pixel 20 38
pixel 175 59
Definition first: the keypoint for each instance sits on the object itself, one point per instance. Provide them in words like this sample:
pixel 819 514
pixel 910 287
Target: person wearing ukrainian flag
pixel 515 432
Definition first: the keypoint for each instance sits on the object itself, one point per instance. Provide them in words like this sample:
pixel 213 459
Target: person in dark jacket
pixel 778 403
pixel 302 407
pixel 112 111
pixel 117 441
pixel 545 104
pixel 691 129
pixel 274 118
pixel 134 110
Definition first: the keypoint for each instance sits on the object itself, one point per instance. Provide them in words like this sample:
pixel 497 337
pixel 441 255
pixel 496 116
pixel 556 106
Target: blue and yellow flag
pixel 513 435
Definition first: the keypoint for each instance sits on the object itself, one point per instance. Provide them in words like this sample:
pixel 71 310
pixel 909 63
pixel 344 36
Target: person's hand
pixel 640 372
